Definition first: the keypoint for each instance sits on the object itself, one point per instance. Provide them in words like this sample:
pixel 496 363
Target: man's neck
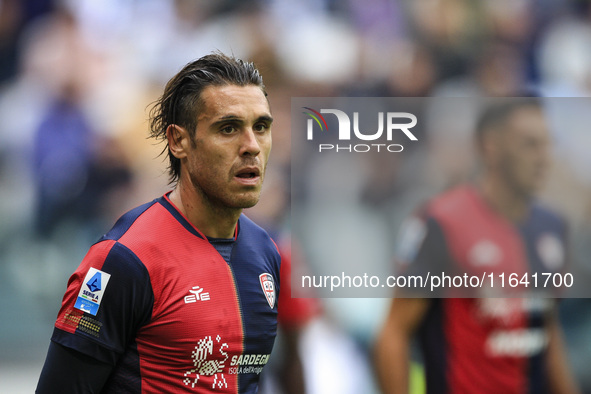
pixel 503 199
pixel 213 221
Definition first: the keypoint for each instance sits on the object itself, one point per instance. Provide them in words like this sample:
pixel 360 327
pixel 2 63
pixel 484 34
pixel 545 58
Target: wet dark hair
pixel 180 103
pixel 495 115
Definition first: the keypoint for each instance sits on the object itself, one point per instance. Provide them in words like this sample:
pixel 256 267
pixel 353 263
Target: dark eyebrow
pixel 265 118
pixel 237 119
pixel 227 118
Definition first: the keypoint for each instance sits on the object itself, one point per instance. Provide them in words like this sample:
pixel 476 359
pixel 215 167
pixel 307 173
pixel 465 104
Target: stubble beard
pixel 225 203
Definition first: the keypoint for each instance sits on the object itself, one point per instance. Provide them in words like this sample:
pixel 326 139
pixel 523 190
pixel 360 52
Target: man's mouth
pixel 248 175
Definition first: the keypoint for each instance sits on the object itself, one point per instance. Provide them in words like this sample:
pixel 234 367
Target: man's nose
pixel 249 143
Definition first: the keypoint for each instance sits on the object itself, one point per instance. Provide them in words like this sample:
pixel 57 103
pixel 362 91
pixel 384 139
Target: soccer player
pixel 485 345
pixel 181 294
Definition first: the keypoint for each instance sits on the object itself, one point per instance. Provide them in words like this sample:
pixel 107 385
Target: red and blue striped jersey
pixel 485 345
pixel 155 299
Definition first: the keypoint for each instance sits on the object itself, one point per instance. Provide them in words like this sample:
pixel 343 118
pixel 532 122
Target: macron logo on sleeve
pixel 92 291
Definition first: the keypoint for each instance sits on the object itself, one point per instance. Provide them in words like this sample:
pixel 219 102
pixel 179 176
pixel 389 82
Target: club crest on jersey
pixel 268 286
pixel 92 291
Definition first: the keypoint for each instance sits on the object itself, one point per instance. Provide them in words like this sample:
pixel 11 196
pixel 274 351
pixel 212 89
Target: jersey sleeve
pixel 422 252
pixel 108 298
pixel 68 371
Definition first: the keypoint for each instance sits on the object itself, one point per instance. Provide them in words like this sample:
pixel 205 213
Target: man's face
pixel 226 164
pixel 524 150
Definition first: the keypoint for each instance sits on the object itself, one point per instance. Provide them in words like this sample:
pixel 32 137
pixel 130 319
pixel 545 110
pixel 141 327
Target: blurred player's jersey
pixel 484 345
pixel 295 310
pixel 155 298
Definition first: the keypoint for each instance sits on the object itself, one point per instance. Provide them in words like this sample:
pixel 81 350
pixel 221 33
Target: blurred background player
pixel 485 345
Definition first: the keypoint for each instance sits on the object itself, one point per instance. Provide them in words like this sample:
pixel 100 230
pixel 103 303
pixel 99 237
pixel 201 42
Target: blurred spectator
pixel 75 168
pixel 15 18
pixel 564 57
pixel 63 160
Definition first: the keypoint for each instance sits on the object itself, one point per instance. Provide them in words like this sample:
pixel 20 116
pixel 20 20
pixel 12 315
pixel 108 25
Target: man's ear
pixel 179 140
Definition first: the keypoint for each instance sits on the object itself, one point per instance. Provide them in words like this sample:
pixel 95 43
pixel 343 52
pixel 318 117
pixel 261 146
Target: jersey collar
pixel 178 215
